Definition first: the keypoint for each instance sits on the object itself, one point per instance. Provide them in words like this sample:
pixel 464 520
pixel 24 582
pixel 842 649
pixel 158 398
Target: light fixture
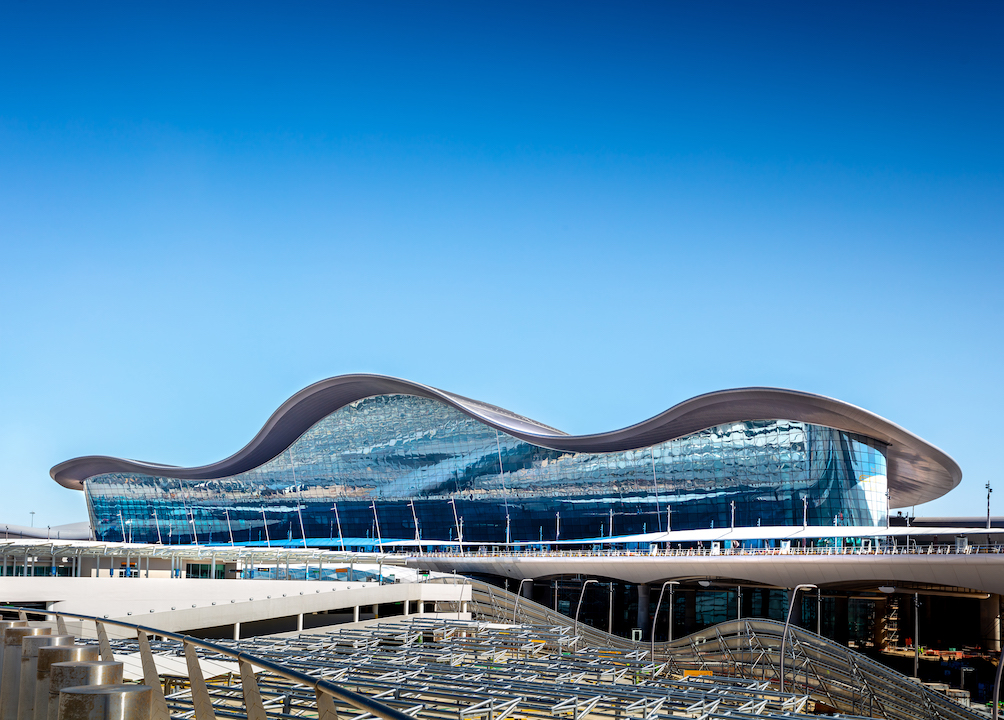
pixel 704 583
pixel 887 589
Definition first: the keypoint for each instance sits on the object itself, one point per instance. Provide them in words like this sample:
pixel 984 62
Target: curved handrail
pixel 327 687
pixel 689 649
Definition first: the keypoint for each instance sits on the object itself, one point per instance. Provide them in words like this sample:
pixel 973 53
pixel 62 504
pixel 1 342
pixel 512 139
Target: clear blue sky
pixel 585 213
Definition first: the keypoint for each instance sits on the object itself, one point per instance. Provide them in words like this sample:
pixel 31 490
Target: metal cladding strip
pixel 917 471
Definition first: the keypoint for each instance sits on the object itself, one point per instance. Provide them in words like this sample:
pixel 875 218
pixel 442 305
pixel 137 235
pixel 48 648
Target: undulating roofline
pixel 917 471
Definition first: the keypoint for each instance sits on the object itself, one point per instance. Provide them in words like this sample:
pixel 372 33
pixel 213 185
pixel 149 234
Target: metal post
pixel 200 694
pixel 264 522
pixel 49 656
pixel 10 685
pixel 229 526
pixel 414 517
pixel 151 678
pixel 376 519
pixel 338 522
pixel 655 616
pixel 610 609
pixel 456 521
pixel 252 695
pixel 579 605
pixel 672 587
pixel 916 639
pixel 989 490
pixel 29 670
pixel 519 593
pixel 997 685
pixel 75 674
pixel 784 635
pixel 105 702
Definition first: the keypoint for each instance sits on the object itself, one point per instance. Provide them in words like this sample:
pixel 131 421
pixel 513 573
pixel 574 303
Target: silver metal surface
pixel 252 695
pixel 200 693
pixel 29 669
pixel 917 471
pixel 10 683
pixel 77 674
pixel 4 624
pixel 49 656
pixel 105 702
pixel 158 705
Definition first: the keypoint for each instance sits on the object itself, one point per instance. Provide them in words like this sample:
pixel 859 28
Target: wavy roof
pixel 917 471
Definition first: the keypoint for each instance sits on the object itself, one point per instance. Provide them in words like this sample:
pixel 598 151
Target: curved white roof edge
pixel 917 471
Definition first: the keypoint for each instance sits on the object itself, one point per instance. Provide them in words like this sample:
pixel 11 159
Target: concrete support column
pixel 990 623
pixel 407 608
pixel 299 622
pixel 355 614
pixel 879 630
pixel 237 631
pixel 747 604
pixel 644 599
pixel 689 612
pixel 421 607
pixel 840 620
pixel 376 611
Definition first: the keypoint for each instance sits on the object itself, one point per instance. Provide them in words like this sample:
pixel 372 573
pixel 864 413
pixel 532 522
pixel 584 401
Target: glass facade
pixel 374 468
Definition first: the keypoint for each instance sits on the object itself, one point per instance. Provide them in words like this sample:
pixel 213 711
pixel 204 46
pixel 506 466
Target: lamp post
pixel 338 522
pixel 784 636
pixel 655 615
pixel 414 517
pixel 376 519
pixel 32 512
pixel 579 605
pixel 230 527
pixel 997 687
pixel 519 594
pixel 156 521
pixel 989 490
pixel 264 522
pixel 456 521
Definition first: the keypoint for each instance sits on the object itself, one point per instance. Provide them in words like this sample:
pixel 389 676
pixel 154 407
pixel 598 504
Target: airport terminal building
pixel 357 460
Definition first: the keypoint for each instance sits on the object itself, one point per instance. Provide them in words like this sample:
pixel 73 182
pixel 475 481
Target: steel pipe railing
pixel 319 685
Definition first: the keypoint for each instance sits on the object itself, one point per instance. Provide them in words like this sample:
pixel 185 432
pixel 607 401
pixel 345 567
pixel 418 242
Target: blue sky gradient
pixel 585 213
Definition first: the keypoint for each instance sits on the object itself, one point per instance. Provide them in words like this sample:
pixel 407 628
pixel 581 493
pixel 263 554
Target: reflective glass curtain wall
pixel 375 467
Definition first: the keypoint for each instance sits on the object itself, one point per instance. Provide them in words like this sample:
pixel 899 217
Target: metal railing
pixel 943 549
pixel 750 649
pixel 326 692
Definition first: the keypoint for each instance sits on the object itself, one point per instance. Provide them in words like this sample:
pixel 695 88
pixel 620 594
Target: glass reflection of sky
pixel 407 453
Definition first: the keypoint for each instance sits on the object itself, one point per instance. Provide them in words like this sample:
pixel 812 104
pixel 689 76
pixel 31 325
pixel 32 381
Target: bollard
pixel 75 674
pixel 105 702
pixel 29 667
pixel 4 624
pixel 49 656
pixel 10 682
